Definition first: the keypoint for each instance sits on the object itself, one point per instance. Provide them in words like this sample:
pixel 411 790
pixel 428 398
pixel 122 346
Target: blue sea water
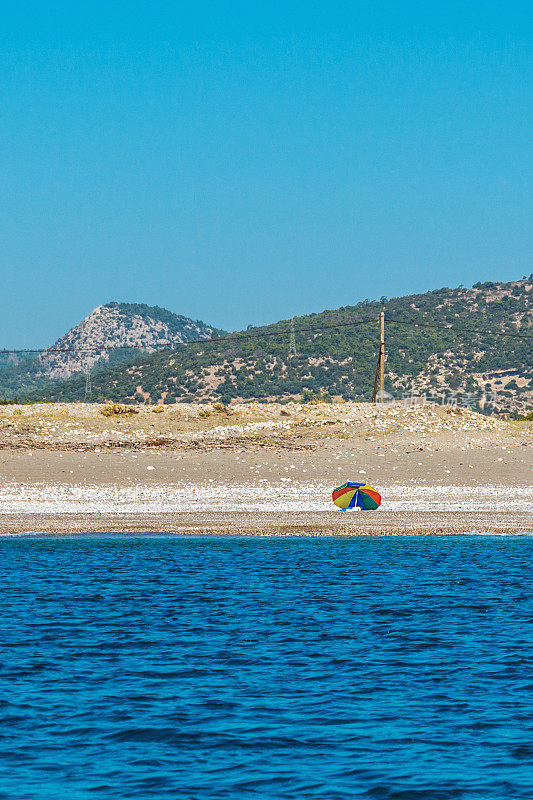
pixel 158 666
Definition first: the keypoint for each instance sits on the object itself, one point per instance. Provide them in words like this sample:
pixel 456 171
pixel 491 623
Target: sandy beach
pixel 262 469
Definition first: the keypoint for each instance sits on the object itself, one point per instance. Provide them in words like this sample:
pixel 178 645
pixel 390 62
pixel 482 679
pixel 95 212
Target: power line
pixel 230 337
pixel 237 337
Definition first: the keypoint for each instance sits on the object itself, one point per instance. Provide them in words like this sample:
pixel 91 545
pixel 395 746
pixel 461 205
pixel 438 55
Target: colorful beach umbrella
pixel 356 495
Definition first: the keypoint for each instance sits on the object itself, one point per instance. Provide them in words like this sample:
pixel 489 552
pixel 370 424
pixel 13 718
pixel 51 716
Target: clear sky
pixel 243 162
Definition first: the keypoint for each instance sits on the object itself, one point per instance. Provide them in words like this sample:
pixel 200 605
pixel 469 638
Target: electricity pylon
pixel 292 344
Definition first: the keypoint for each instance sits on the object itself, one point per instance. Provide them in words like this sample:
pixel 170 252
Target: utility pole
pixel 380 366
pixel 382 359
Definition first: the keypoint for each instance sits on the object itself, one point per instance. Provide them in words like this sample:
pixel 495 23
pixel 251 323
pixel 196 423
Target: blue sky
pixel 244 162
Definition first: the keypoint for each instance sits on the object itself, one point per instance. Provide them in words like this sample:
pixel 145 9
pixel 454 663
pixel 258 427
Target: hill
pixel 124 326
pixel 111 334
pixel 455 357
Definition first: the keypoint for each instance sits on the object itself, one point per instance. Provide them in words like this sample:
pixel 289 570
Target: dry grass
pixel 186 425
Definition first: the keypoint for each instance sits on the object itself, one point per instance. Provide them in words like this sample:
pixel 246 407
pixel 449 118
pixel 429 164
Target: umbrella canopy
pixel 356 495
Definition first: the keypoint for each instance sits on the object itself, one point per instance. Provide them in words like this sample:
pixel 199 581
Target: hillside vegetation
pixel 336 356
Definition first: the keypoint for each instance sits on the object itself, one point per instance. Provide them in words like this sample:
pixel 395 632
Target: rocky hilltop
pixel 115 332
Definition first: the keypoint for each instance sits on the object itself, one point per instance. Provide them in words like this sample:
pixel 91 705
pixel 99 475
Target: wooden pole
pixel 376 378
pixel 382 358
pixel 380 366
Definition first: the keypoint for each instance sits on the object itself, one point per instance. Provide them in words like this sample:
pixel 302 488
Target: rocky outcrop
pixel 117 331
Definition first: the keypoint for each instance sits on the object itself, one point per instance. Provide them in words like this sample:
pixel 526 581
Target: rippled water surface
pixel 157 666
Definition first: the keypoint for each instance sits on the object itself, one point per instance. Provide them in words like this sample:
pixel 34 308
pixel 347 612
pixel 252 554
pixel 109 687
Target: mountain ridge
pixel 453 351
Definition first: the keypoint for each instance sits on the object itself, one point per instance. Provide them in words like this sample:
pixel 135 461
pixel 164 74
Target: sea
pixel 154 666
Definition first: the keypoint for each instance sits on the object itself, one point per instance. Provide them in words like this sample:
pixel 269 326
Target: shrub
pixel 220 407
pixel 118 409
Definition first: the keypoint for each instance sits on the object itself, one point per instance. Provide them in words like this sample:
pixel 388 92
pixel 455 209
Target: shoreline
pixel 280 524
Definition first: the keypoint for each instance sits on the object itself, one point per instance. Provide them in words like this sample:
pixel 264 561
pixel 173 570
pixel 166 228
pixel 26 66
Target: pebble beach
pixel 262 469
